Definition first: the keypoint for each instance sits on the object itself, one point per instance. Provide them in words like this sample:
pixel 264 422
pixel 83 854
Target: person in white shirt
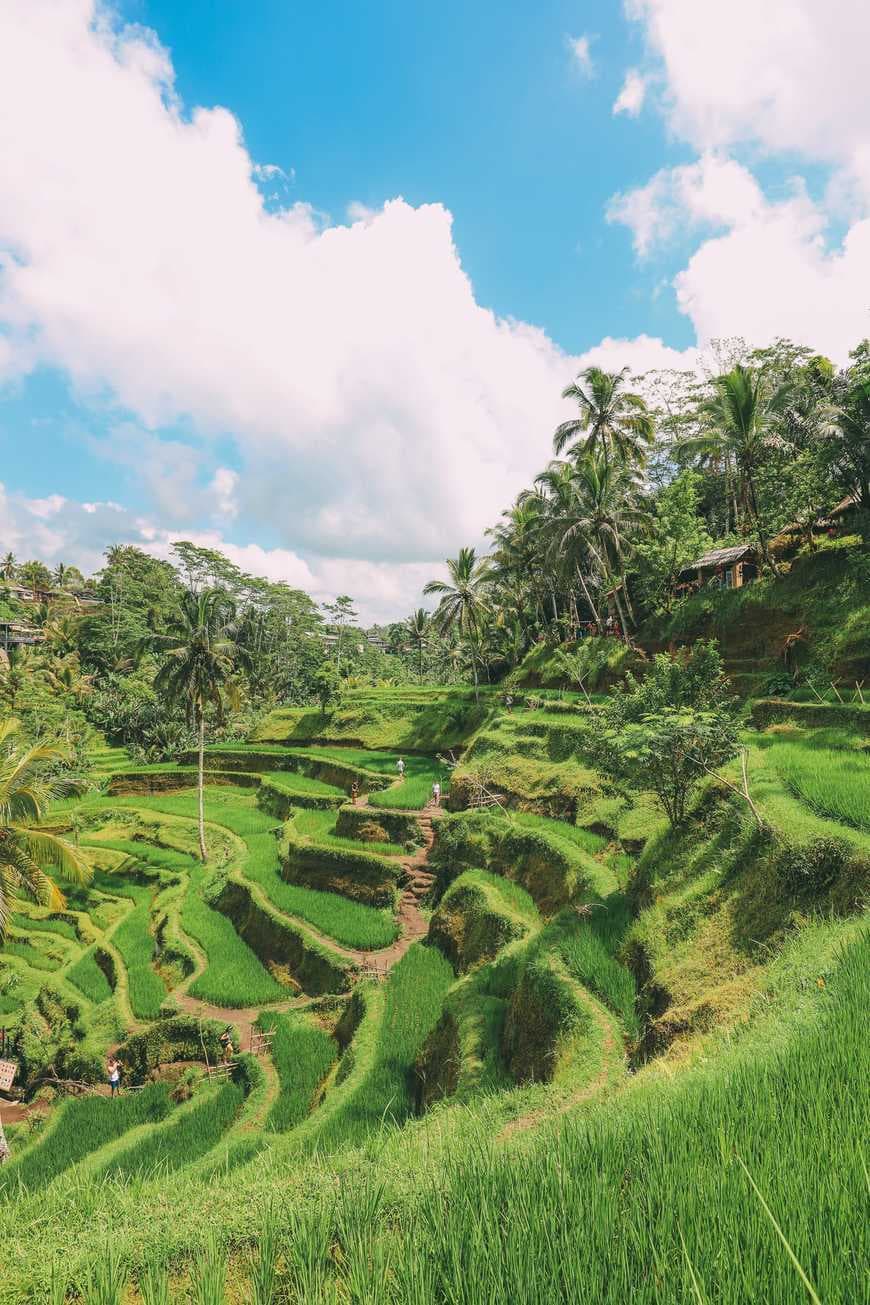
pixel 436 794
pixel 400 767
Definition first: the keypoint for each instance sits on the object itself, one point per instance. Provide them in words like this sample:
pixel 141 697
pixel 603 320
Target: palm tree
pixel 8 567
pixel 606 509
pixel 29 853
pixel 741 417
pixel 613 422
pixel 560 528
pixel 199 654
pixel 463 605
pixel 419 627
pixel 853 445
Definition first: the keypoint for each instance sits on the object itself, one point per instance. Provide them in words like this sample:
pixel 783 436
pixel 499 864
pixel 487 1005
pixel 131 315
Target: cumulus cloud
pixel 59 529
pixel 788 75
pixel 785 79
pixel 378 411
pixel 581 48
pixel 632 95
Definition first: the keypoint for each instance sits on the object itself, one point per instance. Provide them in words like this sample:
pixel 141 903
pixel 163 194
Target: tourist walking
pixel 226 1041
pixel 436 794
pixel 400 767
pixel 354 792
pixel 113 1069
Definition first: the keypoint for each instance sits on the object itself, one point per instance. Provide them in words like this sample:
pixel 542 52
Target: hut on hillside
pixel 725 568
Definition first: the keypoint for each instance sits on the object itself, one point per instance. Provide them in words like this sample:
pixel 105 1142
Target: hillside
pixel 464 1007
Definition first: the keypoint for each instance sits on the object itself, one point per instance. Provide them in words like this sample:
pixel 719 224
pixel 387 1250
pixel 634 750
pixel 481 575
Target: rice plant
pixel 84 1124
pixel 414 995
pixel 154 1285
pixel 234 975
pixel 192 1134
pixel 834 783
pixel 47 924
pixel 319 826
pixel 264 1264
pixel 303 1053
pixel 105 1283
pixel 209 1277
pixel 353 924
pixel 89 978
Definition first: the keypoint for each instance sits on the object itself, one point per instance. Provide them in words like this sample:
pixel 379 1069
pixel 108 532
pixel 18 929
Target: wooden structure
pixel 722 568
pixel 14 634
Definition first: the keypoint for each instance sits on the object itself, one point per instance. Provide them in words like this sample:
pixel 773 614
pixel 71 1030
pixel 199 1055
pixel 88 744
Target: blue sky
pixel 305 281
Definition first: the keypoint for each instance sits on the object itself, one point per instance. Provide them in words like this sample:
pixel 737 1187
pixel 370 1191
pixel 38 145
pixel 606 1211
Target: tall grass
pixel 191 1134
pixel 46 925
pixel 303 1054
pixel 89 978
pixel 630 1204
pixel 833 783
pixel 136 945
pixel 36 959
pixel 585 839
pixel 234 975
pixel 83 1125
pixel 414 995
pixel 319 827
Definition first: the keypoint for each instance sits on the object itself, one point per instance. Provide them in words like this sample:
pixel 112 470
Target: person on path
pixel 354 792
pixel 113 1069
pixel 436 794
pixel 509 702
pixel 226 1041
pixel 400 767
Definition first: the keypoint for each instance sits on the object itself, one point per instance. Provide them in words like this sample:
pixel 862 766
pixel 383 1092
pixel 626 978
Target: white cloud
pixel 581 48
pixel 644 353
pixel 630 99
pixel 784 79
pixel 786 75
pixel 715 191
pixel 378 411
pixel 59 529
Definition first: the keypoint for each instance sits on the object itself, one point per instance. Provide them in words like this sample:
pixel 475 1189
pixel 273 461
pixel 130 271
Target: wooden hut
pixel 726 568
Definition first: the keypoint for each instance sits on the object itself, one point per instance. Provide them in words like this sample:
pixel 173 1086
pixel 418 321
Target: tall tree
pixel 198 657
pixel 613 423
pixel 463 604
pixel 29 855
pixel 419 628
pixel 341 615
pixel 34 575
pixel 8 566
pixel 741 417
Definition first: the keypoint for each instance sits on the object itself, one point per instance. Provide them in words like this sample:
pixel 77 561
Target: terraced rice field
pixel 414 1133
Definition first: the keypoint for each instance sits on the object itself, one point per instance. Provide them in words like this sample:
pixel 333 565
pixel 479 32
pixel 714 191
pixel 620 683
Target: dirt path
pixel 609 1049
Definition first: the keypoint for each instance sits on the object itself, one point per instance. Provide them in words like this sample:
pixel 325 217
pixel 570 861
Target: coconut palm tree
pixel 561 534
pixel 852 446
pixel 463 605
pixel 30 855
pixel 741 418
pixel 199 655
pixel 613 422
pixel 606 510
pixel 8 567
pixel 419 628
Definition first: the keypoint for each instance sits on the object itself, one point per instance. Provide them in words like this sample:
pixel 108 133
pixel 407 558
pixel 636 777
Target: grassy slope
pixel 654 1194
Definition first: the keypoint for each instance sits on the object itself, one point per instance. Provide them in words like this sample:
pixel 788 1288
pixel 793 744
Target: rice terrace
pixel 495 933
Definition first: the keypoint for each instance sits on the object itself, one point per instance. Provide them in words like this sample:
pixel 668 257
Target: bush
pixel 812 868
